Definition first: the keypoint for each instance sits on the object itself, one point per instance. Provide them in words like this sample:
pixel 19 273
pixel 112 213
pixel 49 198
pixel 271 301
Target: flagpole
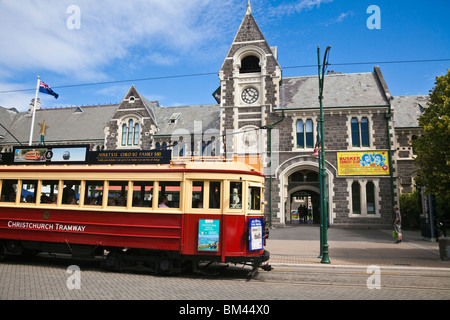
pixel 34 112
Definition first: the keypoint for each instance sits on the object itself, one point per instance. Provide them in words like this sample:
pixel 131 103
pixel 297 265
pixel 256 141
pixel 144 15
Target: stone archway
pixel 287 187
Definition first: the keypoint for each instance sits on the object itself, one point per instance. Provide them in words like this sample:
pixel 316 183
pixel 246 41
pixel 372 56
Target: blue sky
pixel 136 39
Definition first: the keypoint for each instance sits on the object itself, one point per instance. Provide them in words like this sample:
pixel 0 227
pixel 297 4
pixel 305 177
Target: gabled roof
pixel 249 31
pixel 65 124
pixel 340 90
pixel 183 118
pixel 147 104
pixel 408 109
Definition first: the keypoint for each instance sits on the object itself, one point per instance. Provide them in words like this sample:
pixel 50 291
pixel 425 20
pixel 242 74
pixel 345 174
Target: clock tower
pixel 250 77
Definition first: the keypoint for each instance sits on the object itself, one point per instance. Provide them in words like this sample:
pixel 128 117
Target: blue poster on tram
pixel 256 234
pixel 208 235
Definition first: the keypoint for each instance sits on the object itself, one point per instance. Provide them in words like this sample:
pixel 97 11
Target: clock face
pixel 250 95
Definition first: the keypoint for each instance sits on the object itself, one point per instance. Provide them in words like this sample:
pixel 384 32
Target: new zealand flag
pixel 46 89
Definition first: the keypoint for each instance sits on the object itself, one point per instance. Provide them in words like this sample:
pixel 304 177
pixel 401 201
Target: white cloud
pixel 296 7
pixel 340 18
pixel 16 99
pixel 35 36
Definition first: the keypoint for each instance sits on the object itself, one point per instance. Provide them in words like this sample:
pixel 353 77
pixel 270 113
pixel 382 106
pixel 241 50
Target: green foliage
pixel 433 147
pixel 410 210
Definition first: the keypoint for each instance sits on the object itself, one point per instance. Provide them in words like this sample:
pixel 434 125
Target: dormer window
pixel 78 110
pixel 250 64
pixel 174 117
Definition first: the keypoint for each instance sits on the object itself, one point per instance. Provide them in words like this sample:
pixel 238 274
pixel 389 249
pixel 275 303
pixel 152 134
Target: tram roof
pixel 180 165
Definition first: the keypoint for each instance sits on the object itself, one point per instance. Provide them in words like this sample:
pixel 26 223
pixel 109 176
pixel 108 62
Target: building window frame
pixel 360 132
pixel 130 136
pixel 305 129
pixel 369 198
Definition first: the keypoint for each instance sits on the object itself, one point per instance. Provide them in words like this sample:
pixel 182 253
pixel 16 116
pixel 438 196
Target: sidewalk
pixel 300 245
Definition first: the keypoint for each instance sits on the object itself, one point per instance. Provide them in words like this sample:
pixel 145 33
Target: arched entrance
pixel 299 177
pixel 304 207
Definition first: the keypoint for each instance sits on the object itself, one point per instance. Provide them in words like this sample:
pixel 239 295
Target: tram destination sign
pixel 130 157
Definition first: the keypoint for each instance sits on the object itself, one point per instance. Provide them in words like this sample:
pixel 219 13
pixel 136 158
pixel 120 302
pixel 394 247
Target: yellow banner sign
pixel 363 163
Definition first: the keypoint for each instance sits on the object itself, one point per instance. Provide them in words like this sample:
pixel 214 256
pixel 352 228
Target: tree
pixel 410 208
pixel 433 147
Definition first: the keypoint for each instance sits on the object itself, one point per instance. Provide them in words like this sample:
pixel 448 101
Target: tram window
pixel 9 189
pixel 254 198
pixel 143 194
pixel 214 195
pixel 28 194
pixel 235 195
pixel 94 193
pixel 169 194
pixel 71 191
pixel 117 193
pixel 49 191
pixel 197 194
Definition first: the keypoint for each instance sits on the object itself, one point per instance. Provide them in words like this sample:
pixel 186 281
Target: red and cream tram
pixel 161 218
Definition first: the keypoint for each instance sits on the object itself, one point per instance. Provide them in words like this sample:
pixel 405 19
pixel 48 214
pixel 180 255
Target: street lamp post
pixel 322 169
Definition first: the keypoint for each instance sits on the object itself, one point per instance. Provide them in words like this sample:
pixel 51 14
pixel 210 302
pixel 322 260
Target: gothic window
pixel 300 134
pixel 364 132
pixel 309 134
pixel 305 134
pixel 360 132
pixel 250 64
pixel 364 198
pixel 370 197
pixel 356 197
pixel 355 132
pixel 136 134
pixel 124 134
pixel 130 133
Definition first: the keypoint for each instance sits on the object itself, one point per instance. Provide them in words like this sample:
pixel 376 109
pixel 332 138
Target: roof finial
pixel 249 8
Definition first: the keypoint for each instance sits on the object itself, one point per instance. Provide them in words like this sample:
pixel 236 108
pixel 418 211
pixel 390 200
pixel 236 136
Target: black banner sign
pixel 130 157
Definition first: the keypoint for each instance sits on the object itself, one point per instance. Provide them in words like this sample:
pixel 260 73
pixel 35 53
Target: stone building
pixel 407 110
pixel 261 113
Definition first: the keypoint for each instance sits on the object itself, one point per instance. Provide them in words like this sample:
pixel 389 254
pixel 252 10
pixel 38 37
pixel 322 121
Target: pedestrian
pixel 305 214
pixel 398 224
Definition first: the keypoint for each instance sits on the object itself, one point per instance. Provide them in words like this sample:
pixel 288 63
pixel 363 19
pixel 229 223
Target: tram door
pixel 204 224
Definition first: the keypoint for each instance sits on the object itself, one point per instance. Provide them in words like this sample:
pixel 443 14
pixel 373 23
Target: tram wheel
pixel 113 260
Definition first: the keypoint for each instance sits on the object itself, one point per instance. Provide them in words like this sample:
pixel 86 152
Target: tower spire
pixel 249 8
